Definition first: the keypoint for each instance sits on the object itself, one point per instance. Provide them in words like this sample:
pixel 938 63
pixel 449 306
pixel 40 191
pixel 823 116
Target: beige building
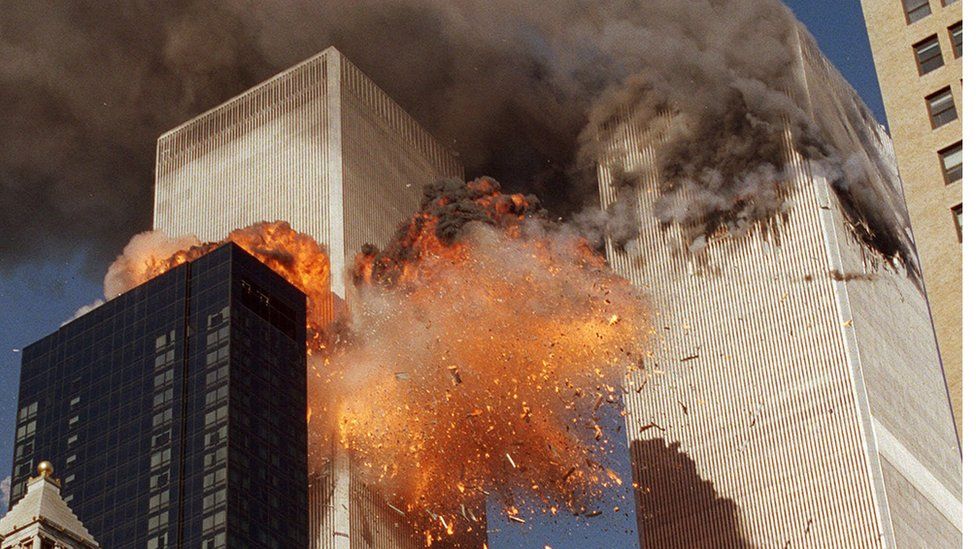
pixel 796 396
pixel 322 147
pixel 917 46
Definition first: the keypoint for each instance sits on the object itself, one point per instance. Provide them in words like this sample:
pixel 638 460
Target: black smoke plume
pixel 519 89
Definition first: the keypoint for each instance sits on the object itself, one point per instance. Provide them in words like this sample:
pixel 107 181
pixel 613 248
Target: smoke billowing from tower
pixel 521 91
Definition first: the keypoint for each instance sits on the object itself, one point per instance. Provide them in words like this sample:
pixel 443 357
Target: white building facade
pixel 796 395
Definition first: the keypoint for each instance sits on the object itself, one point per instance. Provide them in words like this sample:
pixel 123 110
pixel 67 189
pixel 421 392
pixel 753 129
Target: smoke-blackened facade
pixel 795 366
pixel 175 413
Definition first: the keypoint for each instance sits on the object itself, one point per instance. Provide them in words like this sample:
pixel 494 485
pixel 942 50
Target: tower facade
pixel 795 395
pixel 917 47
pixel 318 145
pixel 176 412
pixel 322 147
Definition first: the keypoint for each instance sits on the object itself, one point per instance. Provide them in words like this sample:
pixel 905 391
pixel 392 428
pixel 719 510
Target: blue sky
pixel 34 300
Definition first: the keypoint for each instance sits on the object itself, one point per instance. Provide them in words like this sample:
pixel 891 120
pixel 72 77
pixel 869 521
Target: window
pixel 928 55
pixel 27 412
pixel 942 109
pixel 957 214
pixel 916 9
pixel 951 158
pixel 955 37
pixel 948 2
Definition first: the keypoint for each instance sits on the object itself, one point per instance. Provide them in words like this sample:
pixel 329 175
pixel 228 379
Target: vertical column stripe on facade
pixel 776 355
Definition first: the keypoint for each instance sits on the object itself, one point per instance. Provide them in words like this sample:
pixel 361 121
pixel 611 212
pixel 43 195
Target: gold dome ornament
pixel 45 469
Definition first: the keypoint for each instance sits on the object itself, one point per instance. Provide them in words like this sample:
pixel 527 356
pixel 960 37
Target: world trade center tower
pixel 797 395
pixel 321 147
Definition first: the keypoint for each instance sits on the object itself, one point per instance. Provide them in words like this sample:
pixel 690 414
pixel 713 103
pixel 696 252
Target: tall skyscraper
pixel 917 46
pixel 42 520
pixel 795 394
pixel 322 147
pixel 319 145
pixel 176 412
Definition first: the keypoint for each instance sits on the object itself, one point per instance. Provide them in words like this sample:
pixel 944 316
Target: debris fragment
pixel 684 407
pixel 652 425
pixel 454 372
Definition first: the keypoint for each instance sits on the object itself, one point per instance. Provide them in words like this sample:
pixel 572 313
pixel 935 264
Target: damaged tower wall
pixel 322 147
pixel 795 369
pixel 319 145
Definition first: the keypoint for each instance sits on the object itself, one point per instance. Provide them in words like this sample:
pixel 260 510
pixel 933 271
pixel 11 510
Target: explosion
pixel 481 353
pixel 297 257
pixel 495 338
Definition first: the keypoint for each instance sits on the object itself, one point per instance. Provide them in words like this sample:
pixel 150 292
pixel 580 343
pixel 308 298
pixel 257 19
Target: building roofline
pixel 263 83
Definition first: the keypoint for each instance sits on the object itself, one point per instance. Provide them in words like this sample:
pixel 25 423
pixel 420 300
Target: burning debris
pixel 533 330
pixel 297 257
pixel 480 352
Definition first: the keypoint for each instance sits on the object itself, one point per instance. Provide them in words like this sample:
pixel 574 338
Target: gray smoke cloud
pixel 520 90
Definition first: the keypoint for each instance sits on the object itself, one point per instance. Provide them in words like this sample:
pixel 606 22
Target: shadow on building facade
pixel 676 507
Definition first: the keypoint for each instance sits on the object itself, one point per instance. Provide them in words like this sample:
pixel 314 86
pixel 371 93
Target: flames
pixel 434 230
pixel 297 257
pixel 481 353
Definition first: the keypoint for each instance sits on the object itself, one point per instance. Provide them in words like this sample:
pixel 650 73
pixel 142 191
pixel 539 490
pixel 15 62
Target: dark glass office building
pixel 175 413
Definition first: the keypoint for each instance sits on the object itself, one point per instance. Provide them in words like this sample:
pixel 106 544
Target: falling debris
pixel 455 374
pixel 527 320
pixel 684 407
pixel 652 425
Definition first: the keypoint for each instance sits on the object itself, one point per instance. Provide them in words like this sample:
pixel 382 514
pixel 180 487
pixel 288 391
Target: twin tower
pixel 797 396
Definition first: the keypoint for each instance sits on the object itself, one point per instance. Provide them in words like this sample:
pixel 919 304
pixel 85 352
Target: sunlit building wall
pixel 795 395
pixel 319 145
pixel 917 47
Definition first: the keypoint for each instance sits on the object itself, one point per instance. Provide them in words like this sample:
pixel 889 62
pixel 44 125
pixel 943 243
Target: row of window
pixel 161 450
pixel 916 10
pixel 941 105
pixel 928 52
